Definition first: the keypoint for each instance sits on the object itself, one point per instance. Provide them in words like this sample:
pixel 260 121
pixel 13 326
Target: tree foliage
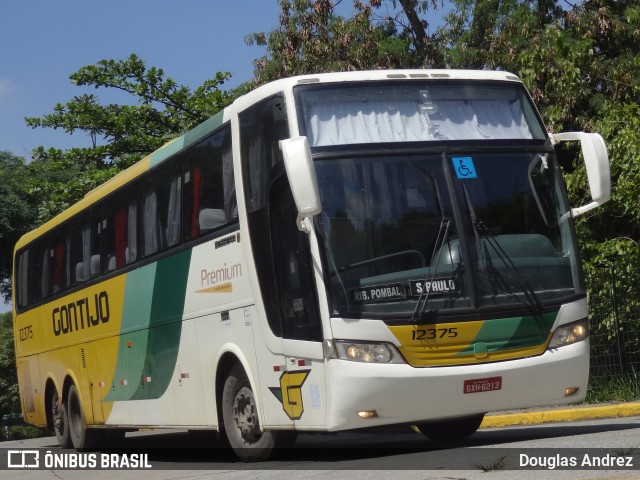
pixel 9 393
pixel 312 38
pixel 17 213
pixel 120 134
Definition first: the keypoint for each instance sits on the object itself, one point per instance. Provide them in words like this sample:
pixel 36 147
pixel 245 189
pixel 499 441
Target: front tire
pixel 241 422
pixel 454 430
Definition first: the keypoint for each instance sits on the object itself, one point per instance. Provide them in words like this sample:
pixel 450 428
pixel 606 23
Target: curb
pixel 617 410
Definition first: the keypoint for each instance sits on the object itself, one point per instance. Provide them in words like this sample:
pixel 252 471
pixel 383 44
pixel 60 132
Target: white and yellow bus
pixel 330 252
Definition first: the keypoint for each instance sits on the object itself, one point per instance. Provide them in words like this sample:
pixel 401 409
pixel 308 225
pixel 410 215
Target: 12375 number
pixel 434 333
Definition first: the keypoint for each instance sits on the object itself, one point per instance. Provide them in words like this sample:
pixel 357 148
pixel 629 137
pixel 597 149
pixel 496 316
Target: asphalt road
pixel 491 453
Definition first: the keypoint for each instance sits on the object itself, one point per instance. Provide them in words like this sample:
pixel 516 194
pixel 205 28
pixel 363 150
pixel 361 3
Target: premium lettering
pixel 224 274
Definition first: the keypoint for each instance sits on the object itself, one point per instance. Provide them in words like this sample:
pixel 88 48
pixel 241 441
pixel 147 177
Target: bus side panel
pixel 33 408
pixel 151 334
pixel 180 400
pixel 59 339
pixel 28 335
pixel 192 304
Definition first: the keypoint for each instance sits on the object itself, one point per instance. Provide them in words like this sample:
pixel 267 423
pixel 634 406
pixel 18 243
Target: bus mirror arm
pixel 596 162
pixel 301 173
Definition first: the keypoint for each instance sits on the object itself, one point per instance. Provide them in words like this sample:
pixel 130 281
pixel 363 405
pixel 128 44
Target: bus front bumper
pixel 366 395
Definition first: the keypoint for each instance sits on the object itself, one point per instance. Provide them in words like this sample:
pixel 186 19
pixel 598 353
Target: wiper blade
pixel 482 232
pixel 423 298
pixel 533 301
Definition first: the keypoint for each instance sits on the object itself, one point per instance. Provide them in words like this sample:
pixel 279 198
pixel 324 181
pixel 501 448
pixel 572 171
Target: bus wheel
pixel 60 421
pixel 82 437
pixel 451 431
pixel 241 423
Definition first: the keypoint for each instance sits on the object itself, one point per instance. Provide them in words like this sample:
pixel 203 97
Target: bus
pixel 330 252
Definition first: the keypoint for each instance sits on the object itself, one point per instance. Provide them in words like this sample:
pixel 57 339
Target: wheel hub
pixel 245 415
pixel 56 416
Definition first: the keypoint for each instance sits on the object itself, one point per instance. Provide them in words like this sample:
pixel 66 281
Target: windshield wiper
pixel 423 298
pixel 483 232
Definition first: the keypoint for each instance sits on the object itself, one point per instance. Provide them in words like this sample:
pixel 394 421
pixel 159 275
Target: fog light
pixel 571 391
pixel 368 414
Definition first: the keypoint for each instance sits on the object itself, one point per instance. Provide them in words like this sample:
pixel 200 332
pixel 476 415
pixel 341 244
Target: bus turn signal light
pixel 368 414
pixel 570 391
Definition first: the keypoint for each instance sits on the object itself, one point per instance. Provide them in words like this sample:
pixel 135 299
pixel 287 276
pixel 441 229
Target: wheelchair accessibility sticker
pixel 464 167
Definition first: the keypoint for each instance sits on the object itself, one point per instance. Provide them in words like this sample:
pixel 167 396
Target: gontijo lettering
pixel 81 314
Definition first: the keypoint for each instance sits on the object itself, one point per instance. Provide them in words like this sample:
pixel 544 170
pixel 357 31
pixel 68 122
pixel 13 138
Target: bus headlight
pixel 368 352
pixel 571 333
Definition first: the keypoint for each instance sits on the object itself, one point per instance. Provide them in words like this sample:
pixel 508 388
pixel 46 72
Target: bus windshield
pixel 411 228
pixel 434 232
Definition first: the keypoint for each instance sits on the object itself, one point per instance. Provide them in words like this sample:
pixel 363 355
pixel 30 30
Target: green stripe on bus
pixel 151 329
pixel 132 348
pixel 189 138
pixel 192 136
pixel 165 325
pixel 513 333
pixel 167 151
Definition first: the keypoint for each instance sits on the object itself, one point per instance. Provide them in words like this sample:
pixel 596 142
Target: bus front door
pixel 302 382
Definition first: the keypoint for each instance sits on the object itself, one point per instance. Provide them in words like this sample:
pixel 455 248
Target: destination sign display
pixel 437 286
pixel 394 292
pixel 379 293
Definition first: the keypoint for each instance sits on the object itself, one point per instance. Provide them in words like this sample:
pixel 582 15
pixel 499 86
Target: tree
pixel 9 393
pixel 312 38
pixel 120 134
pixel 17 214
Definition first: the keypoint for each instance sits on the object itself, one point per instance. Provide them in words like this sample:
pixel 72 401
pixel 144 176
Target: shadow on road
pixel 203 450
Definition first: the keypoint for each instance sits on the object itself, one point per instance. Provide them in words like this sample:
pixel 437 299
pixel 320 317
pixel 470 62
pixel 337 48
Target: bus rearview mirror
pixel 596 162
pixel 302 178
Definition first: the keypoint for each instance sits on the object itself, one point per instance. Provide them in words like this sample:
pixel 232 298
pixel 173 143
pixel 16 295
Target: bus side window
pixel 32 275
pixel 209 193
pixel 40 271
pixel 21 285
pixel 85 248
pixel 119 233
pixel 161 208
pixel 262 126
pixel 58 266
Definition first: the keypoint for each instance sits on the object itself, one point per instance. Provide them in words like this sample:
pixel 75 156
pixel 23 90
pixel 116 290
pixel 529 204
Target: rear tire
pixel 454 430
pixel 82 438
pixel 60 421
pixel 241 422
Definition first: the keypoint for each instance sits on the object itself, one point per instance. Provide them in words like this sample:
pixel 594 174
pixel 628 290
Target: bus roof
pixel 286 84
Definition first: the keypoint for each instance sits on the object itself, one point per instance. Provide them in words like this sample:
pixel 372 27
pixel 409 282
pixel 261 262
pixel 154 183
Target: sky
pixel 42 42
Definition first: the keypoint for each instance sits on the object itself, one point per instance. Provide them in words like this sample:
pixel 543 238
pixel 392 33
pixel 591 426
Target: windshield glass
pixel 436 110
pixel 410 234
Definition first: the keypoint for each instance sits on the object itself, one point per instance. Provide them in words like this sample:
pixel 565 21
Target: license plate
pixel 479 385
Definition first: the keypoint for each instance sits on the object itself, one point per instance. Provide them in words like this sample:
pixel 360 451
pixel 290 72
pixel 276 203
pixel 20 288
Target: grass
pixel 613 389
pixel 498 464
